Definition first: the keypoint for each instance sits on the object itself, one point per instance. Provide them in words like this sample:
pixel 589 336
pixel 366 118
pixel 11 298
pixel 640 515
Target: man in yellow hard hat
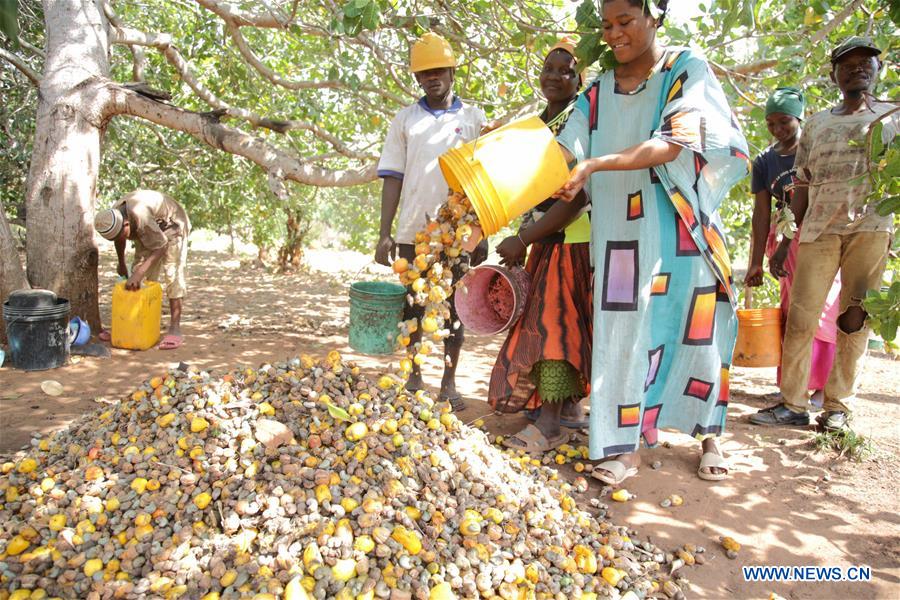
pixel 412 178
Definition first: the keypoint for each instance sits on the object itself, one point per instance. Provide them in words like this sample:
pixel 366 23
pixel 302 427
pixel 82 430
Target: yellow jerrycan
pixel 136 316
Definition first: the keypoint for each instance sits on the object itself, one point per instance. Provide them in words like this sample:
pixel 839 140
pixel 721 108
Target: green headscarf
pixel 787 100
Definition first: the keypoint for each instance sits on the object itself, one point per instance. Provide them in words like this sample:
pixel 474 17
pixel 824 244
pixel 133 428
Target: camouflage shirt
pixel 832 150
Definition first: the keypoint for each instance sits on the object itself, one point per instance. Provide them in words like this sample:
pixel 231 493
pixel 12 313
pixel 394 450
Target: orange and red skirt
pixel 557 325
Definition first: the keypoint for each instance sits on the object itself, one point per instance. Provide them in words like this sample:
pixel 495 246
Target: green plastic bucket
pixel 376 307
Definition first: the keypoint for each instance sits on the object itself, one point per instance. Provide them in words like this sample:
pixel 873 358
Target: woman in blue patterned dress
pixel 659 149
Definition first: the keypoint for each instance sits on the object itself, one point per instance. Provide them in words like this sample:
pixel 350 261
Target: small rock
pixel 272 434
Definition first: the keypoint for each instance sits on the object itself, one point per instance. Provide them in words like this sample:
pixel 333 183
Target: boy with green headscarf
pixel 774 179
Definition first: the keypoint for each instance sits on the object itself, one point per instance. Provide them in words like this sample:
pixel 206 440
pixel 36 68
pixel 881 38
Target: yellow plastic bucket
pixel 507 171
pixel 759 338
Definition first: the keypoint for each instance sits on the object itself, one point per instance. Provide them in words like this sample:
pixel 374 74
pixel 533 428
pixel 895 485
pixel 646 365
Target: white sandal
pixel 615 468
pixel 711 460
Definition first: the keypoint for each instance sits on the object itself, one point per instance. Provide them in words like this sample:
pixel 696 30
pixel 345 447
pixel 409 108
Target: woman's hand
pixel 512 251
pixel 578 178
pixel 776 263
pixel 754 276
pixel 490 126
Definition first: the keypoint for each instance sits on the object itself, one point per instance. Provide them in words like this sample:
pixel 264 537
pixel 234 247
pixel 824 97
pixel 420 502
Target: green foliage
pixel 591 48
pixel 17 111
pixel 500 46
pixel 883 307
pixel 17 114
pixel 894 11
pixel 221 192
pixel 884 171
pixel 355 229
pixel 845 442
pixel 227 194
pixel 358 15
pixel 767 295
pixel 9 19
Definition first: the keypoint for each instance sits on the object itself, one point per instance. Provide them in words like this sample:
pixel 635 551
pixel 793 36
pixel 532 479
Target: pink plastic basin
pixel 491 298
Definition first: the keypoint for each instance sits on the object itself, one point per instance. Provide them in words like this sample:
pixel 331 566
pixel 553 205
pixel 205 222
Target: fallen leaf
pixel 338 413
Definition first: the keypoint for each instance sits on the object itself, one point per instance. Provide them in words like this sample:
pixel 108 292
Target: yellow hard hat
pixel 431 51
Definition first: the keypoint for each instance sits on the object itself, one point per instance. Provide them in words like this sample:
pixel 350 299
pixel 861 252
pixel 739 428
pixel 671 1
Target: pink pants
pixel 823 346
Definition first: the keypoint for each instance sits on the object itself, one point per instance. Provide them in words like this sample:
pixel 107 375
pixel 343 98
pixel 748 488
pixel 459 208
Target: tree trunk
pixel 291 252
pixel 12 277
pixel 61 254
pixel 232 250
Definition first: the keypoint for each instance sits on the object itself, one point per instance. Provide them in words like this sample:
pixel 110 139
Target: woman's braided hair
pixel 652 8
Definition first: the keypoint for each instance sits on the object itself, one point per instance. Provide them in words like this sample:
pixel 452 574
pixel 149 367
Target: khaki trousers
pixel 861 258
pixel 169 269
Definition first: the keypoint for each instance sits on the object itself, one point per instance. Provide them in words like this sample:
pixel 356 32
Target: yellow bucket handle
pixel 475 146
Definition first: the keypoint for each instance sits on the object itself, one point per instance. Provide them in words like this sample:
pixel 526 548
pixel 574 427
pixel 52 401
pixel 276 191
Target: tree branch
pixel 529 26
pixel 236 17
pixel 31 48
pixel 744 70
pixel 242 18
pixel 819 36
pixel 137 53
pixel 163 42
pixel 213 133
pixel 21 65
pixel 739 91
pixel 293 84
pixel 364 40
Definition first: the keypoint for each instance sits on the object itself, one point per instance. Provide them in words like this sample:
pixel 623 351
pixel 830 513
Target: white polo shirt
pixel 417 137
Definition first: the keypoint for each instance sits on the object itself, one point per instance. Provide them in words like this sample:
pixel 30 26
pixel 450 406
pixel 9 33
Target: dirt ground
pixel 786 503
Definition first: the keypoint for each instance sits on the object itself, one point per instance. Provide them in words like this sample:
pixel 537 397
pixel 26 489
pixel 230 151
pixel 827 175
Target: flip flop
pixel 534 442
pixel 532 415
pixel 104 336
pixel 171 342
pixel 615 472
pixel 711 460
